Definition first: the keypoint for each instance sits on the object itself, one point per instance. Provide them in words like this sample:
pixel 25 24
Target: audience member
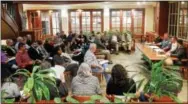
pixel 63 36
pixel 84 83
pixel 64 61
pixel 25 42
pixel 11 51
pixel 91 59
pixel 105 39
pixel 48 45
pixel 102 49
pixel 34 54
pixel 42 50
pixel 127 41
pixel 29 39
pixel 4 58
pixel 119 82
pixel 19 40
pixel 114 42
pixel 22 58
pixel 11 89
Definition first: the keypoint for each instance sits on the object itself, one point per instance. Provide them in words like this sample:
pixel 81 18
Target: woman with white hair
pixel 84 83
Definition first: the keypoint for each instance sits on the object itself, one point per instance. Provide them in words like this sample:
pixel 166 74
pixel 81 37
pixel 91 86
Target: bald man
pixel 91 59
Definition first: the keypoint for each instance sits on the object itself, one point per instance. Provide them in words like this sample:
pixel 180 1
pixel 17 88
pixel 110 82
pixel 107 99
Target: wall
pixel 149 11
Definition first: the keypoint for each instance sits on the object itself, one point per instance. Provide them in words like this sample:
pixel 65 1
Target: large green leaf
pixel 118 100
pixel 71 100
pixel 96 97
pixel 9 101
pixel 46 71
pixel 45 89
pixel 21 73
pixel 58 100
pixel 28 86
pixel 38 92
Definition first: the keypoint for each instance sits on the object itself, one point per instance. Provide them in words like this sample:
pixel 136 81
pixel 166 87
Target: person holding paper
pixel 91 60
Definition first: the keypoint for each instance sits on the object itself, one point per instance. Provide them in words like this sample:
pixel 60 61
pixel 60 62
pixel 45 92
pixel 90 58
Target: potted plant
pixel 35 86
pixel 163 83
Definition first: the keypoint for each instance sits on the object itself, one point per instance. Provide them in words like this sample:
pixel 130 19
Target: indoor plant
pixel 35 86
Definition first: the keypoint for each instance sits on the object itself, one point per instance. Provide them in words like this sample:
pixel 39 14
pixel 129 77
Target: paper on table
pixel 103 61
pixel 153 47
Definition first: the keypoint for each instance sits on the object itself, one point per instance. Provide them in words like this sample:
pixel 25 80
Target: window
pixel 46 21
pixel 75 24
pixel 178 20
pixel 55 23
pixel 97 21
pixel 138 21
pixel 127 20
pixel 115 20
pixel 85 20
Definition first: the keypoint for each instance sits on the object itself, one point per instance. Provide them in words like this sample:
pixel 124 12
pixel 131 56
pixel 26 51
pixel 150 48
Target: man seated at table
pixel 180 52
pixel 165 44
pixel 91 59
pixel 174 45
pixel 157 39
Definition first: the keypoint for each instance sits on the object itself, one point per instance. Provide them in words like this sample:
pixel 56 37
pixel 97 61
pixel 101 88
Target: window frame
pixel 80 18
pixel 176 31
pixel 132 19
pixel 40 20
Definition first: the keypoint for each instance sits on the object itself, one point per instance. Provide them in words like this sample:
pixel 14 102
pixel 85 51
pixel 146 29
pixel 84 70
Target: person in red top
pixel 22 58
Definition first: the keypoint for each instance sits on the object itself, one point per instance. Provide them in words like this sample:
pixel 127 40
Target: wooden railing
pixel 12 25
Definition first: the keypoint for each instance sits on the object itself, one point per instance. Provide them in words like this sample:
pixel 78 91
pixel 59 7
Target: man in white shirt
pixel 114 41
pixel 91 60
pixel 174 45
pixel 59 71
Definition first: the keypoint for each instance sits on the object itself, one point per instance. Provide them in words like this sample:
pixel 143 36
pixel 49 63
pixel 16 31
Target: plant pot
pixel 162 99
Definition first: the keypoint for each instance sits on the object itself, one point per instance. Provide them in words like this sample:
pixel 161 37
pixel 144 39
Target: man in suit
pixel 180 53
pixel 34 54
pixel 11 51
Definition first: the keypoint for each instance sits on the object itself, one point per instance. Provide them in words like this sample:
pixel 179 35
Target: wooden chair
pixel 81 99
pixel 99 75
pixel 184 71
pixel 68 78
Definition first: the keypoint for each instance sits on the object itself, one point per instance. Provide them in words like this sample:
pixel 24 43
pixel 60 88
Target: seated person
pixel 119 82
pixel 34 54
pixel 174 45
pixel 11 51
pixel 84 83
pixel 11 89
pixel 105 39
pixel 91 59
pixel 64 61
pixel 114 41
pixel 127 42
pixel 102 49
pixel 22 58
pixel 180 52
pixel 157 39
pixel 165 44
pixel 42 50
pixel 48 45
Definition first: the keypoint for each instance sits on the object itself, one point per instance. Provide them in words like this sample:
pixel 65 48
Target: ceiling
pixel 91 5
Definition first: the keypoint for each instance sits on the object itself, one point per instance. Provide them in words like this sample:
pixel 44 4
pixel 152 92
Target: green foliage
pixel 71 100
pixel 163 82
pixel 36 84
pixel 58 100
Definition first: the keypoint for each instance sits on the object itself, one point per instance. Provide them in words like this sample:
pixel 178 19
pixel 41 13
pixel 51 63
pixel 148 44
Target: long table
pixel 150 53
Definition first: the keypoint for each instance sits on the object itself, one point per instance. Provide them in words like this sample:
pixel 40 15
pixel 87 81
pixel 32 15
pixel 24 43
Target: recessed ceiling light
pixel 182 2
pixel 138 3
